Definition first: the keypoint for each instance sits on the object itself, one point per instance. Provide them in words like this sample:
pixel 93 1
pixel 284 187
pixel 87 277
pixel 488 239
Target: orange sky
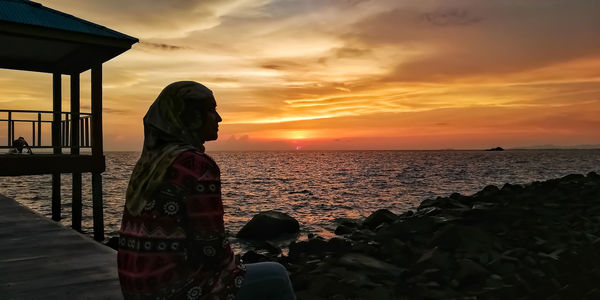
pixel 350 74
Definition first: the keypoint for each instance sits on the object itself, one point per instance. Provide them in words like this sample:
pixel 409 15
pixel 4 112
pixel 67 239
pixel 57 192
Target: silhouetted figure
pixel 19 144
pixel 172 242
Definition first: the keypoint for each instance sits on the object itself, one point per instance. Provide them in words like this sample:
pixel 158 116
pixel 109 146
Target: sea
pixel 319 187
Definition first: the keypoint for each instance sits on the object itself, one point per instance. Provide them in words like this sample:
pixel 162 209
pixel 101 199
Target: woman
pixel 172 242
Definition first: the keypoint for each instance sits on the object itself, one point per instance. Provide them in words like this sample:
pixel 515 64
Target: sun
pixel 298 135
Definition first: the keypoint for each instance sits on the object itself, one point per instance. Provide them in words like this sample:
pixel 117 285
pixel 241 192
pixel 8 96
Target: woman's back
pixel 176 247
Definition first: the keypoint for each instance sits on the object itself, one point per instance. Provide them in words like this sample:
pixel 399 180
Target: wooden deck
pixel 37 164
pixel 40 259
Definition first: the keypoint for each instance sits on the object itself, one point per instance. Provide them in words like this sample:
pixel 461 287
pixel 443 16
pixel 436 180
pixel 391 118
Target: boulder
pixel 361 261
pixel 268 225
pixel 343 229
pixel 316 246
pixel 378 217
pixel 339 245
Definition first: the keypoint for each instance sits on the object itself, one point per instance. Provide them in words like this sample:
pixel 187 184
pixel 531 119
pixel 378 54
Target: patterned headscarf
pixel 166 135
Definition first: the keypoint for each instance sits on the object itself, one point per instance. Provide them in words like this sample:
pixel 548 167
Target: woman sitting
pixel 172 242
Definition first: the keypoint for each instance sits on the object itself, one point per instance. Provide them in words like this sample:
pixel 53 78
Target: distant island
pixel 495 149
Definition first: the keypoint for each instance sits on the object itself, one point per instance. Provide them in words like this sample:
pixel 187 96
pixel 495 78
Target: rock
pixel 343 229
pixel 453 237
pixel 269 225
pixel 313 246
pixel 339 245
pixel 488 191
pixel 270 247
pixel 358 261
pixel 534 241
pixel 593 175
pixel 406 214
pixel 378 217
pixel 408 228
pixel 438 202
pixel 470 270
pixel 434 258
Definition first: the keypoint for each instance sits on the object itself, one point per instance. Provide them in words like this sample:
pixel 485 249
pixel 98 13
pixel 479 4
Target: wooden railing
pixel 38 117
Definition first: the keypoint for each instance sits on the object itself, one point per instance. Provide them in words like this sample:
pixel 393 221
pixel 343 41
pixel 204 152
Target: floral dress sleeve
pixel 209 257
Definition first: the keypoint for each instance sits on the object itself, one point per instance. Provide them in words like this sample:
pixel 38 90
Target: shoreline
pixel 536 240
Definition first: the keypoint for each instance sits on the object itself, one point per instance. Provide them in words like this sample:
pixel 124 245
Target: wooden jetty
pixel 40 39
pixel 41 259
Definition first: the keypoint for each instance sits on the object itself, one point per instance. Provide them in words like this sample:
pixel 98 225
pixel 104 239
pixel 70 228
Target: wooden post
pixel 76 183
pixel 97 151
pixel 12 129
pixel 10 139
pixel 67 138
pixel 39 135
pixel 74 114
pixel 81 134
pixel 87 131
pixel 33 133
pixel 56 121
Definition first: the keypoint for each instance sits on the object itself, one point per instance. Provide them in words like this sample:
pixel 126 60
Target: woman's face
pixel 210 128
pixel 201 115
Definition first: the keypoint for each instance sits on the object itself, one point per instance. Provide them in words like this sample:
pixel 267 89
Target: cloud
pixel 450 16
pixel 338 67
pixel 155 18
pixel 345 52
pixel 160 46
pixel 483 38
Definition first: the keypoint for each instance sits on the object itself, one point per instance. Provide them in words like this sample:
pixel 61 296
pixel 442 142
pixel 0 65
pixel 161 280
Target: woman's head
pixel 184 112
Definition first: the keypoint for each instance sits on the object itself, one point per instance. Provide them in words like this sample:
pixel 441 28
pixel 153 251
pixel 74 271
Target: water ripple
pixel 318 187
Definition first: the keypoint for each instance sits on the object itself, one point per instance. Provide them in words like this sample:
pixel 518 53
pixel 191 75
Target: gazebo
pixel 39 39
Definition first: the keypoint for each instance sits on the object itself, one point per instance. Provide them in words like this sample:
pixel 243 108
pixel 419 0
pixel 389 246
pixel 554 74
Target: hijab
pixel 166 135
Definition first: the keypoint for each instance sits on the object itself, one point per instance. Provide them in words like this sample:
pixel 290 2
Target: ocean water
pixel 316 187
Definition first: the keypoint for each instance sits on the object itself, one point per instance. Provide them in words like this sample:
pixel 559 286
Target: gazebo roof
pixel 38 38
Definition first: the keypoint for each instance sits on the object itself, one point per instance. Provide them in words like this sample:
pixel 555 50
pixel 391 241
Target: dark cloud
pixel 348 52
pixel 160 46
pixel 108 110
pixel 272 66
pixel 501 37
pixel 450 16
pixel 118 111
pixel 283 65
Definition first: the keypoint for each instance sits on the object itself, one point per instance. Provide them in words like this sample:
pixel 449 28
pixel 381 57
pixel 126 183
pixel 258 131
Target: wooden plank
pixel 37 164
pixel 41 259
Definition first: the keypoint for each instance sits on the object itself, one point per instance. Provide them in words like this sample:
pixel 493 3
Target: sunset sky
pixel 350 74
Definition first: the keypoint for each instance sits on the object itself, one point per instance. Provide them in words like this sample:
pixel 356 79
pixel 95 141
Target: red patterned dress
pixel 176 247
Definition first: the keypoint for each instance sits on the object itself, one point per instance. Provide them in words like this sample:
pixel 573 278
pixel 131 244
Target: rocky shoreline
pixel 533 241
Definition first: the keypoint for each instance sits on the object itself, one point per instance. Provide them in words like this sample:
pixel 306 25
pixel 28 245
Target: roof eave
pixel 64 35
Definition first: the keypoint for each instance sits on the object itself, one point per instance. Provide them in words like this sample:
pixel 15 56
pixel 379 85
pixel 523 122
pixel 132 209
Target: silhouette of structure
pixel 40 39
